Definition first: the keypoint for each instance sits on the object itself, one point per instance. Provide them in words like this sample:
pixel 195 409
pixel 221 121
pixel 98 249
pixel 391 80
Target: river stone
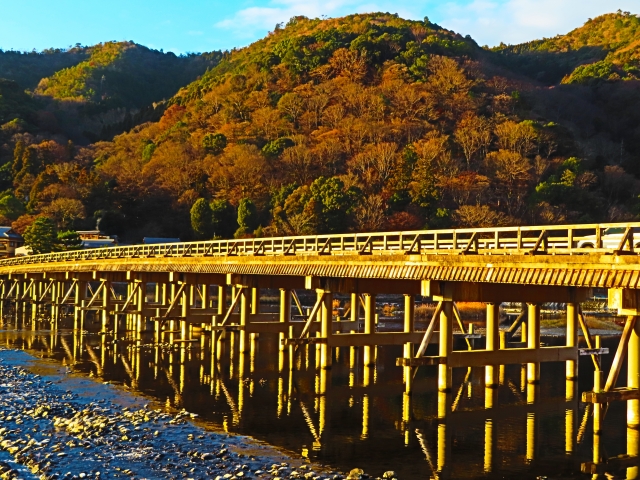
pixel 355 474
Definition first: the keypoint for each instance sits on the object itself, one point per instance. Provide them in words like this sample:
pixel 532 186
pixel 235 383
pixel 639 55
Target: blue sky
pixel 205 25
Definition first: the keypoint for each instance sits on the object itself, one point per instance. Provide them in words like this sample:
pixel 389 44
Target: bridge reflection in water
pixel 359 415
pixel 205 300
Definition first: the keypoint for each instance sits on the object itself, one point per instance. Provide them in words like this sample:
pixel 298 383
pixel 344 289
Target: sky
pixel 206 25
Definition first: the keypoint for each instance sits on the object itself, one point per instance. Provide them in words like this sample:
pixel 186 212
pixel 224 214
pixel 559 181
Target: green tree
pixel 202 219
pixel 214 143
pixel 69 240
pixel 223 218
pixel 147 151
pixel 333 203
pixel 274 148
pixel 41 235
pixel 18 152
pixel 11 207
pixel 247 218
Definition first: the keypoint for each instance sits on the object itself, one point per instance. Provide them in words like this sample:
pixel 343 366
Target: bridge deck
pixel 576 256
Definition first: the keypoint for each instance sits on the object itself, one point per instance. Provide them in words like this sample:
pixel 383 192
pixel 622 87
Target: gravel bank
pixel 57 426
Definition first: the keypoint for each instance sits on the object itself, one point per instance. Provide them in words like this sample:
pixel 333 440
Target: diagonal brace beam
pixel 96 294
pixel 621 352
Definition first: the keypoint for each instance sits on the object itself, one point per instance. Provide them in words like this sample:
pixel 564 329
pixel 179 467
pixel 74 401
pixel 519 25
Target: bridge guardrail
pixel 612 238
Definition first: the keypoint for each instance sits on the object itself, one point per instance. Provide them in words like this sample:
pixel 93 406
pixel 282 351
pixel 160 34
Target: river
pixel 364 419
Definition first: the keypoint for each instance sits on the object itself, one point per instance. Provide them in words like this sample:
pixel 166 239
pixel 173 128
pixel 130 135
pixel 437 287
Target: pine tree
pixel 41 236
pixel 247 218
pixel 202 219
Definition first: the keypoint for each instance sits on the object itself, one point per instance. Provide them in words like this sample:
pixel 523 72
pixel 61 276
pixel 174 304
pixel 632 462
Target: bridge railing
pixel 538 240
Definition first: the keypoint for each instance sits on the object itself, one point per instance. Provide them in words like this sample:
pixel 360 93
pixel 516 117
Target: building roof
pixel 98 242
pixel 8 232
pixel 148 240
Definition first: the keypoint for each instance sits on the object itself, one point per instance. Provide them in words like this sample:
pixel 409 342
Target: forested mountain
pixel 28 68
pixel 367 122
pixel 125 74
pixel 92 93
pixel 604 48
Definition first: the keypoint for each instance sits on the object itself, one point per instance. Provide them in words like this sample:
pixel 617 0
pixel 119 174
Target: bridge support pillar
pixel 3 294
pixel 34 294
pixel 533 340
pixel 106 307
pixel 444 433
pixel 326 330
pixel 186 302
pixel 56 289
pixel 572 341
pixel 369 325
pixel 255 301
pixel 36 291
pixel 141 305
pixel 445 345
pixel 409 327
pixel 285 314
pixel 245 300
pixel 524 325
pixel 79 313
pixel 633 406
pixel 354 309
pixel 493 342
pixel 222 299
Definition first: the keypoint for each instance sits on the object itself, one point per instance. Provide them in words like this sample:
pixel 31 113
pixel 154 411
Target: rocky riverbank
pixel 50 429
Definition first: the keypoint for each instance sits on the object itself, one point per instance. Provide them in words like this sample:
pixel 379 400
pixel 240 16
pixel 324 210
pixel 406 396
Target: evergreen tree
pixel 41 236
pixel 214 143
pixel 202 219
pixel 224 221
pixel 247 218
pixel 11 207
pixel 69 240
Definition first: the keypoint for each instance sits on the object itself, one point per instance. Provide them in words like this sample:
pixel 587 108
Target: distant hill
pixel 604 48
pixel 125 74
pixel 305 48
pixel 28 68
pixel 93 93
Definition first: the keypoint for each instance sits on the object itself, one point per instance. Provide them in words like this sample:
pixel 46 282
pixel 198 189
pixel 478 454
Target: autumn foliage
pixel 368 122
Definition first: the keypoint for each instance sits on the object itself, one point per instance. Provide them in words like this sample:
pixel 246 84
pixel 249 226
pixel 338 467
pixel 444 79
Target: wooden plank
pixel 614 395
pixel 479 358
pixel 304 341
pixel 611 464
pixel 594 351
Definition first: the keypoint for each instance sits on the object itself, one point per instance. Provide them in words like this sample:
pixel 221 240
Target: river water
pixel 364 419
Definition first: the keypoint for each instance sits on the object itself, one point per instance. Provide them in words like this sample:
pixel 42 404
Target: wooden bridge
pixel 196 291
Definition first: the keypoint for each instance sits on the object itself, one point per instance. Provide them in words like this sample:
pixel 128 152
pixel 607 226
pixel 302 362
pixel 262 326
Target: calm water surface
pixel 364 419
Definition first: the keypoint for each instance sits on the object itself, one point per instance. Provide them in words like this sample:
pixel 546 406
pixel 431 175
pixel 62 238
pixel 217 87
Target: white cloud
pixel 517 21
pixel 250 22
pixel 487 21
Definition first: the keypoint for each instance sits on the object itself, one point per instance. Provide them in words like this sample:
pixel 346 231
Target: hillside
pixel 366 122
pixel 28 68
pixel 604 48
pixel 93 93
pixel 125 74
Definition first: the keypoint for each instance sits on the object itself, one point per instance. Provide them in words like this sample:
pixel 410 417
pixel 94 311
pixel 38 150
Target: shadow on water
pixel 354 415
